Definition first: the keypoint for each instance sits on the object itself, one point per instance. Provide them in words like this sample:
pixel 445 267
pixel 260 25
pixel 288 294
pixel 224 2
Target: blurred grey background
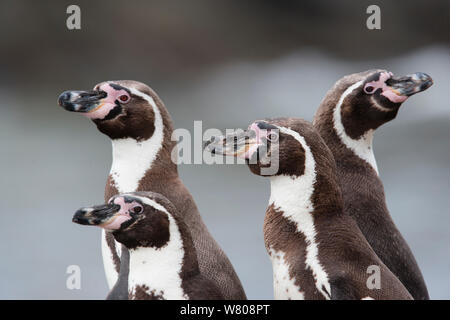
pixel 226 63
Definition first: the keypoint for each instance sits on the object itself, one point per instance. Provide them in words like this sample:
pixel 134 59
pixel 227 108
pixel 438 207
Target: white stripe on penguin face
pixel 362 147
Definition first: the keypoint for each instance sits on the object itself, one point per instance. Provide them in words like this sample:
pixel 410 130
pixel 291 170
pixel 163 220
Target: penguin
pixel 346 119
pixel 163 259
pixel 317 250
pixel 135 119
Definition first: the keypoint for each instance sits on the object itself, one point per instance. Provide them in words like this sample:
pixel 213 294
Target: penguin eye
pixel 272 136
pixel 137 209
pixel 124 98
pixel 368 89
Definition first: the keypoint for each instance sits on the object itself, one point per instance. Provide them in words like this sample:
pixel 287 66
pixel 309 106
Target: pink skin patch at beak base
pixel 122 216
pixel 249 153
pixel 107 104
pixel 387 91
pixel 115 223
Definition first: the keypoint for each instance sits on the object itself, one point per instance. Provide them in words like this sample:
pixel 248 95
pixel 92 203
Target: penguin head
pixel 135 219
pixel 120 109
pixel 372 98
pixel 270 147
pixel 288 147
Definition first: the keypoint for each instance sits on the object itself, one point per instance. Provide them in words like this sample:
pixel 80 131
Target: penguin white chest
pixel 284 287
pixel 158 270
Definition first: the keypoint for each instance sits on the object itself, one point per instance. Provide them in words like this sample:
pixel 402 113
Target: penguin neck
pixel 292 194
pixel 311 192
pixel 136 163
pixel 328 120
pixel 161 271
pixel 300 197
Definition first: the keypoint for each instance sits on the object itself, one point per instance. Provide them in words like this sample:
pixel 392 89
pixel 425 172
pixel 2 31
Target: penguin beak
pixel 242 143
pixel 411 84
pixel 82 101
pixel 97 215
pixel 239 144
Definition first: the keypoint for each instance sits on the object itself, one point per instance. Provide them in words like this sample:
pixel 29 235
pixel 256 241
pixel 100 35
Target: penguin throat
pixel 132 159
pixel 158 270
pixel 293 196
pixel 295 191
pixel 361 147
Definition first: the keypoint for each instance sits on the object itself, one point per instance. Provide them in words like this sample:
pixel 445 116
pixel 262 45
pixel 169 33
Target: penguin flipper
pixel 120 289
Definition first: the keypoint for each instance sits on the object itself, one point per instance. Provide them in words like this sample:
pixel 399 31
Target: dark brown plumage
pixel 342 251
pixel 162 255
pixel 135 120
pixel 362 189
